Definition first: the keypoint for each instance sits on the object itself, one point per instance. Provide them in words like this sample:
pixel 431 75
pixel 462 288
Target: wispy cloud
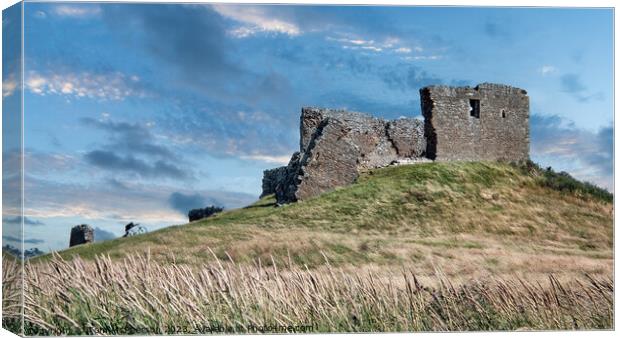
pixel 387 44
pixel 586 154
pixel 168 35
pixel 9 85
pixel 77 10
pixel 111 86
pixel 136 138
pixel 572 83
pixel 132 149
pixel 403 50
pixel 38 162
pixel 255 20
pixel 16 220
pixel 408 78
pixel 231 129
pixel 547 70
pixel 275 159
pixel 150 202
pixel 26 240
pixel 110 160
pixel 421 57
pixel 183 203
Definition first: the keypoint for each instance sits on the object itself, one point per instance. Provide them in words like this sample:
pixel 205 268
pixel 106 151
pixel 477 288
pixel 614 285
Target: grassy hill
pixel 467 218
pixel 434 246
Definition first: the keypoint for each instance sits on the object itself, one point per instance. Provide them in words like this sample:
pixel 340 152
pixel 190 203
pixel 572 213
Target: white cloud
pixel 77 11
pixel 547 70
pixel 358 42
pixel 283 159
pixel 421 57
pixel 8 86
pixel 389 44
pixel 255 20
pixel 373 48
pixel 112 86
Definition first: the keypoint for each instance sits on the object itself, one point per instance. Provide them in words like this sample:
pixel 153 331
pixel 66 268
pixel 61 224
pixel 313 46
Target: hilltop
pixel 469 218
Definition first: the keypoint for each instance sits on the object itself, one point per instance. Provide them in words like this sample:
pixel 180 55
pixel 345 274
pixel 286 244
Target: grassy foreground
pixel 140 296
pixel 433 246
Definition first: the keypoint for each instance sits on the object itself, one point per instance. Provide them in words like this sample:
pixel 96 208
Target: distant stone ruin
pixel 487 122
pixel 81 234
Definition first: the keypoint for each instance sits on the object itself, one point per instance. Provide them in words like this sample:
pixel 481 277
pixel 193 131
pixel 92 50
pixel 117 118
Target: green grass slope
pixel 466 218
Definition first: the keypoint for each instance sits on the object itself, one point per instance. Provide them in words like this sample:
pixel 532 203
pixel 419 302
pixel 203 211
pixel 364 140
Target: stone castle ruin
pixel 81 234
pixel 487 122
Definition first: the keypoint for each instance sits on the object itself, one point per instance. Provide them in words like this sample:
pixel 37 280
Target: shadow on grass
pixel 258 206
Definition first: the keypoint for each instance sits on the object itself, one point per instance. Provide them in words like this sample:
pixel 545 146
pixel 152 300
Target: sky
pixel 140 112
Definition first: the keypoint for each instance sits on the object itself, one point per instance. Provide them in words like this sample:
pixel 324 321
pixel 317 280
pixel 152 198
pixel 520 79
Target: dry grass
pixel 139 295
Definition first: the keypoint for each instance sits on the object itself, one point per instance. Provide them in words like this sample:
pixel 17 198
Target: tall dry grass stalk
pixel 137 295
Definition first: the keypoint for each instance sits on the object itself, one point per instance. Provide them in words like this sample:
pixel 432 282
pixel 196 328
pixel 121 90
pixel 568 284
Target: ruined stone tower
pixel 81 234
pixel 487 122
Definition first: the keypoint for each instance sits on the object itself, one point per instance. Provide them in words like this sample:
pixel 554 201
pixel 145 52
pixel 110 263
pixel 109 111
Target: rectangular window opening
pixel 474 108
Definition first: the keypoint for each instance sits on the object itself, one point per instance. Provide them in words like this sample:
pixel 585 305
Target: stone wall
pixel 454 132
pixel 271 178
pixel 335 146
pixel 407 135
pixel 81 234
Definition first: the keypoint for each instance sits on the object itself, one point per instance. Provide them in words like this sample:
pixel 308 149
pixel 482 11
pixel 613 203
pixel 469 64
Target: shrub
pixel 563 181
pixel 196 214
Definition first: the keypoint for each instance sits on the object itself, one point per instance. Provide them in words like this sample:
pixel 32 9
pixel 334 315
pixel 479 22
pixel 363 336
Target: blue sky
pixel 140 112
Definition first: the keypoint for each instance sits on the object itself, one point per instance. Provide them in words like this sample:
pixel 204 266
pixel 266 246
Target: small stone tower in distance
pixel 81 234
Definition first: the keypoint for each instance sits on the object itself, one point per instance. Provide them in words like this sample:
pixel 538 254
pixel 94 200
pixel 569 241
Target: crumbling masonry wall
pixel 271 178
pixel 487 122
pixel 335 146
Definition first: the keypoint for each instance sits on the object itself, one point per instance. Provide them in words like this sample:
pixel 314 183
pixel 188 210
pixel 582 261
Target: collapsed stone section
pixel 271 178
pixel 335 146
pixel 487 122
pixel 407 135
